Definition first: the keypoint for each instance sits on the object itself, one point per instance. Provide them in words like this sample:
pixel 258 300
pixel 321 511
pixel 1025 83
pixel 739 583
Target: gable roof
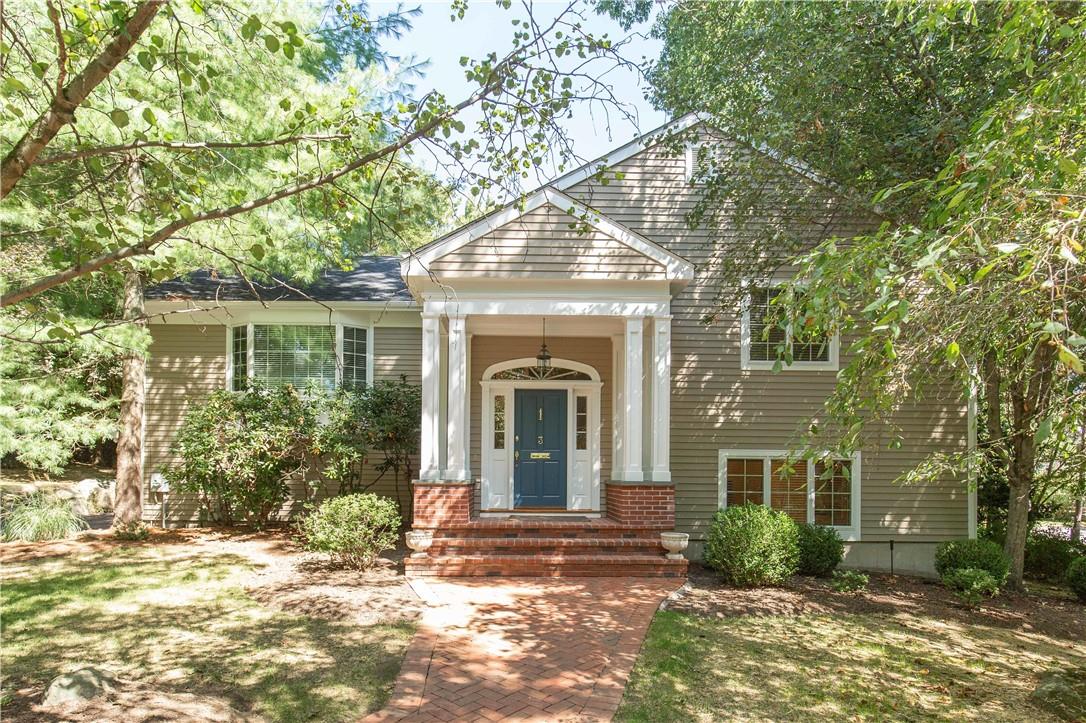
pixel 418 262
pixel 373 278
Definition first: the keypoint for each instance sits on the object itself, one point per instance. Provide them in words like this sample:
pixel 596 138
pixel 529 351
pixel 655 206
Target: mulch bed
pixel 705 595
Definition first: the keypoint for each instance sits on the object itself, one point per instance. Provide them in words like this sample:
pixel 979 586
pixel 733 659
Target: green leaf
pixel 149 116
pixel 271 43
pixel 119 117
pixel 1070 359
pixel 146 60
pixel 1044 429
pixel 257 251
pixel 1067 166
pixel 953 351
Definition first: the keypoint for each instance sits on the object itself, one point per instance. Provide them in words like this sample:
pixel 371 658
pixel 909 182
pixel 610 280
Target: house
pixel 643 419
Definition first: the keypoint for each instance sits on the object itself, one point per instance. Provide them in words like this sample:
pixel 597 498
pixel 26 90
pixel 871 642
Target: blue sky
pixel 487 27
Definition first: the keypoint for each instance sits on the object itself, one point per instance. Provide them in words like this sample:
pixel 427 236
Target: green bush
pixel 976 554
pixel 820 550
pixel 1076 578
pixel 237 451
pixel 849 581
pixel 353 529
pixel 753 545
pixel 1048 555
pixel 40 516
pixel 971 585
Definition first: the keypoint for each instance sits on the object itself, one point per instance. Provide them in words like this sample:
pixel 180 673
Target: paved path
pixel 524 649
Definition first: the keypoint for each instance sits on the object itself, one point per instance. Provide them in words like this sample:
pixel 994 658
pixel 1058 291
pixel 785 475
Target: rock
pixel 1062 693
pixel 78 687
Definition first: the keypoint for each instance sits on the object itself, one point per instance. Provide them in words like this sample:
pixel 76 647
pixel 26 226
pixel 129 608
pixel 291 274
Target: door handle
pixel 516 455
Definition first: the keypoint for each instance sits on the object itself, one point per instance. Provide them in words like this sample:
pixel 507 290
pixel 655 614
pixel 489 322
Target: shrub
pixel 849 581
pixel 237 450
pixel 1076 577
pixel 1048 554
pixel 753 545
pixel 976 554
pixel 134 531
pixel 820 549
pixel 971 585
pixel 353 529
pixel 40 516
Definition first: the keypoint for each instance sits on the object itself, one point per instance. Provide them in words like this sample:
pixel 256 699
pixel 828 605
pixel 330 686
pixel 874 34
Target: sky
pixel 486 27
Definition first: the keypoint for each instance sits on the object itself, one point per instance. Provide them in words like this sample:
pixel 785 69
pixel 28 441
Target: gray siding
pixel 542 244
pixel 717 405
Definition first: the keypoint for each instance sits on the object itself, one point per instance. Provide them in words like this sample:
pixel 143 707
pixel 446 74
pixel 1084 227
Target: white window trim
pixel 338 343
pixel 832 363
pixel 850 533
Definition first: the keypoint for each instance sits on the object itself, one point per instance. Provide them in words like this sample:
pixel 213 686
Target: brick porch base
pixel 624 544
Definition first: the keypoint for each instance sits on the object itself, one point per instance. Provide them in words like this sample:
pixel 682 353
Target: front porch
pixel 546 393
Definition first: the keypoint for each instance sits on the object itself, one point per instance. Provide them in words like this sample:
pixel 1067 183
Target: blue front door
pixel 539 448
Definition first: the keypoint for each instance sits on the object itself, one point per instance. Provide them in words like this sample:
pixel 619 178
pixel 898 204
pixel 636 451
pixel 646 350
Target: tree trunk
pixel 128 503
pixel 1076 526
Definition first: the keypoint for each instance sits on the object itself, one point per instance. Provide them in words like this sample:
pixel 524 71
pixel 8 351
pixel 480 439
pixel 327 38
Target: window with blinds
pixel 833 493
pixel 294 354
pixel 354 357
pixel 745 481
pixel 788 488
pixel 765 338
pixel 239 357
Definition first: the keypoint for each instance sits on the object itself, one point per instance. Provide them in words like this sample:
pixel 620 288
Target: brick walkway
pixel 524 649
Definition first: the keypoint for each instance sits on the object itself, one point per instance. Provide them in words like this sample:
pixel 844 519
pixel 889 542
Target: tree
pixel 259 149
pixel 964 124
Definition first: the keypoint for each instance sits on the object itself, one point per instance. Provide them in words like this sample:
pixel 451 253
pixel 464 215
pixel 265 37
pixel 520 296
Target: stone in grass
pixel 1063 693
pixel 78 687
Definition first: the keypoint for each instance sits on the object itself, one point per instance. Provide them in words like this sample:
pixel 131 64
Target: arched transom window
pixel 534 373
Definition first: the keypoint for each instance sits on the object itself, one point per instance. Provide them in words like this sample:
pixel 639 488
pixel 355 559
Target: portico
pixel 603 300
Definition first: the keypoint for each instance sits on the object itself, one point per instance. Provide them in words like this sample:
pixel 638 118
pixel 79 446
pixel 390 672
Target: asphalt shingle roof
pixel 374 278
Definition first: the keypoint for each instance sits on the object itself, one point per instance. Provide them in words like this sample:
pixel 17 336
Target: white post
pixel 661 399
pixel 631 423
pixel 457 448
pixel 618 405
pixel 430 462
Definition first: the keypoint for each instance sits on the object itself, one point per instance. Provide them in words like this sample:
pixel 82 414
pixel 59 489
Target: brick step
pixel 545 545
pixel 544 566
pixel 498 528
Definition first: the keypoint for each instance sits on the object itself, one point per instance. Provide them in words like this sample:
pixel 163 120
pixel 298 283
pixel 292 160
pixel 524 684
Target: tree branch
pixel 167 231
pixel 188 146
pixel 61 110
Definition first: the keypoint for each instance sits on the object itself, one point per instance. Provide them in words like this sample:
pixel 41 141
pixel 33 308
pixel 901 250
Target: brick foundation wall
pixel 649 506
pixel 442 504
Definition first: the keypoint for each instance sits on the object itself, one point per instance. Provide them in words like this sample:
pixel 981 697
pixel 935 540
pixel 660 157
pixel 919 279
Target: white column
pixel 632 420
pixel 430 463
pixel 618 405
pixel 457 409
pixel 661 399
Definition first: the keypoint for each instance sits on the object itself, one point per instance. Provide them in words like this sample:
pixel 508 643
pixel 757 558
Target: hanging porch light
pixel 543 358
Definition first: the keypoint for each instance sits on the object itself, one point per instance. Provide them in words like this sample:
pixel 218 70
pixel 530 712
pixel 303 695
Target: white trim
pixel 832 364
pixel 529 361
pixel 418 263
pixel 546 307
pixel 850 533
pixel 497 473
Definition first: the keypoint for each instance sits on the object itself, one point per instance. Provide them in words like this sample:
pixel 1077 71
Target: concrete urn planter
pixel 419 541
pixel 674 543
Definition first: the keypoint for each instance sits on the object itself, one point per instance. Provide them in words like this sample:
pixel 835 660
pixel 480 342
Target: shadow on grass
pixel 850 666
pixel 186 625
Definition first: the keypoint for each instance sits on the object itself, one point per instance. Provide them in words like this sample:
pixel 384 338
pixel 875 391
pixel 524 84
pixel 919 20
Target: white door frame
pixel 582 466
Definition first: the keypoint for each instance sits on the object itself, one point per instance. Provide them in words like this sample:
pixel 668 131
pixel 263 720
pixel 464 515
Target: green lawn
pixel 180 620
pixel 847 666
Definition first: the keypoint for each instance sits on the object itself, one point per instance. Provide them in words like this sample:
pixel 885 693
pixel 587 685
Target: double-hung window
pixel 763 341
pixel 825 492
pixel 327 355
